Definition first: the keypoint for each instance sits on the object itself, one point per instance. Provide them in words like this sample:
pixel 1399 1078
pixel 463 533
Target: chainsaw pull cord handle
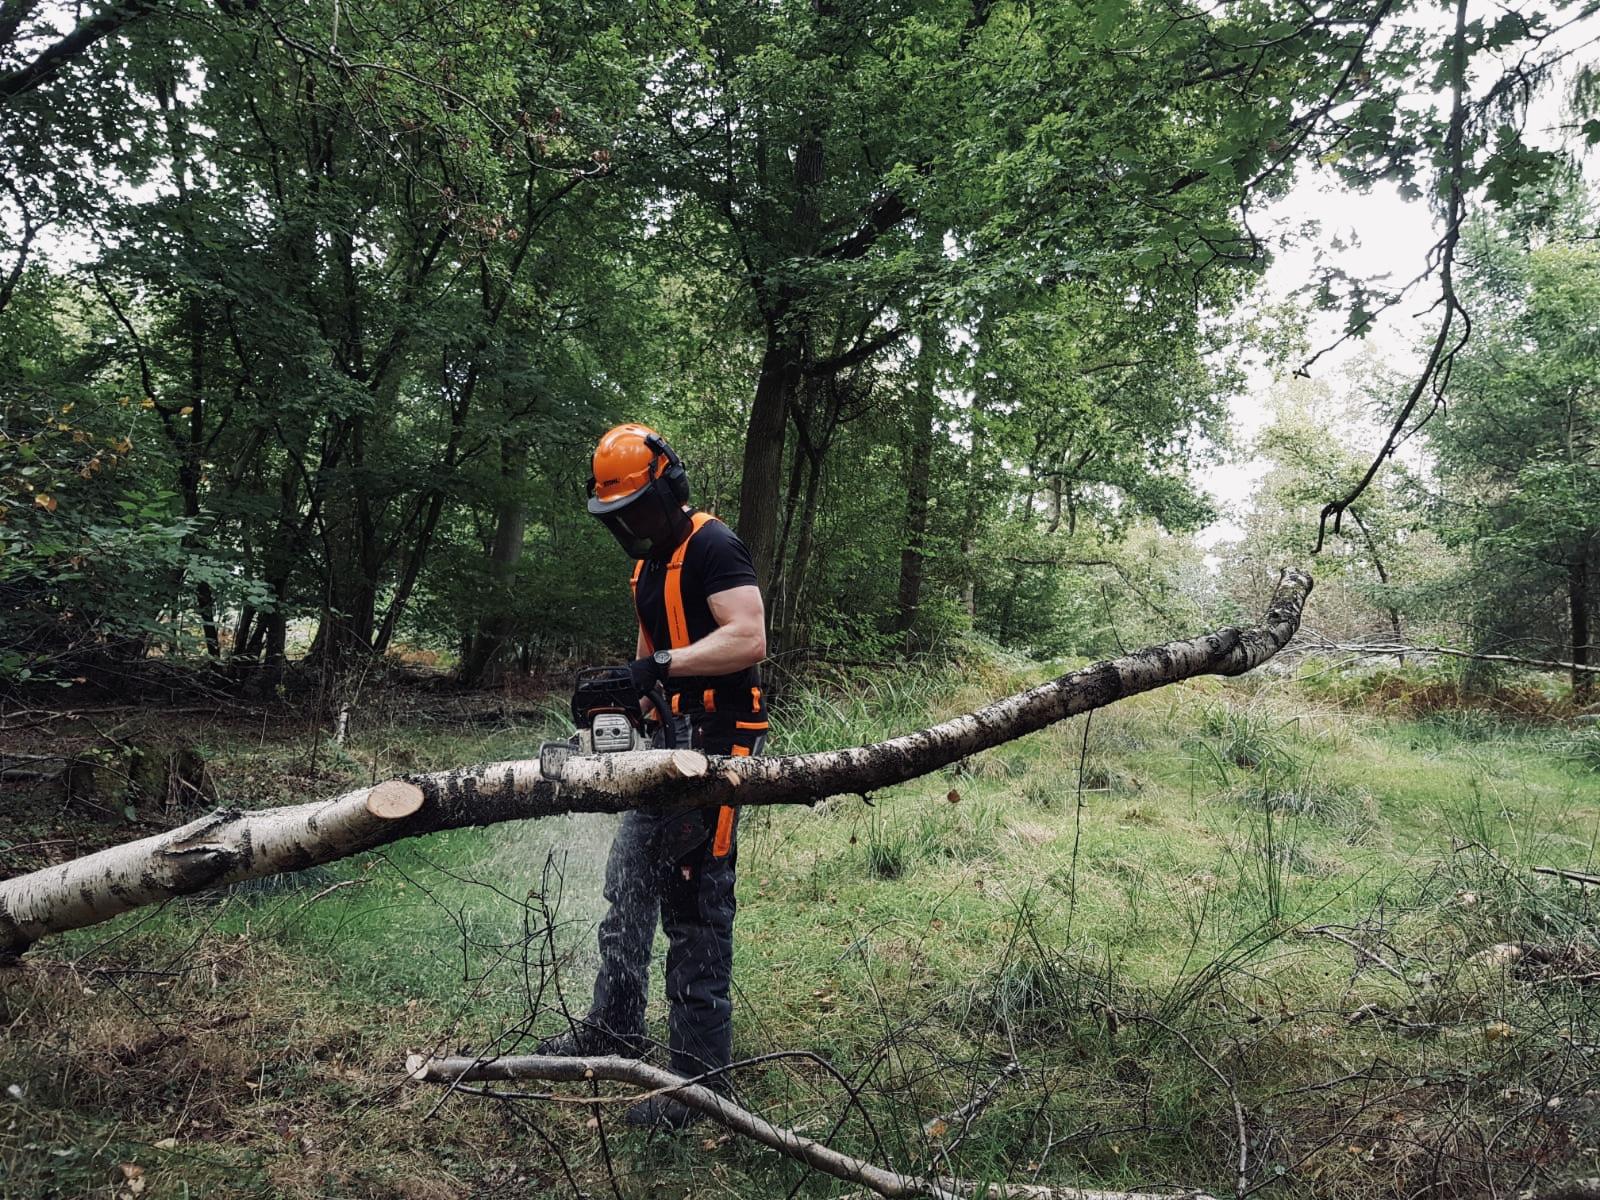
pixel 669 734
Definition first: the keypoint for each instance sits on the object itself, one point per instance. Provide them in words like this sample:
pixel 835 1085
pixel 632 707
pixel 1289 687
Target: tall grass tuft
pixel 890 849
pixel 1579 747
pixel 1033 991
pixel 959 832
pixel 1251 739
pixel 1307 793
pixel 856 708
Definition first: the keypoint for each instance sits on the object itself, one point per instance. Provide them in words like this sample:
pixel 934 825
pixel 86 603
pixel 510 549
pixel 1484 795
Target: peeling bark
pixel 229 844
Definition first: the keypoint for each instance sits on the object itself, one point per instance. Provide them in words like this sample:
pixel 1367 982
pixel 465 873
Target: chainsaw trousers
pixel 662 867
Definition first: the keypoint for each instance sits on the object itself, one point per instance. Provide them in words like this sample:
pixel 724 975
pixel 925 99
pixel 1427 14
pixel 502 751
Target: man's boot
pixel 663 1113
pixel 590 1037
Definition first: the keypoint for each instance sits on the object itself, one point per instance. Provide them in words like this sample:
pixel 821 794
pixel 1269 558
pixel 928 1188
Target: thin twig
pixel 1578 877
pixel 1360 950
pixel 969 1112
pixel 1242 1180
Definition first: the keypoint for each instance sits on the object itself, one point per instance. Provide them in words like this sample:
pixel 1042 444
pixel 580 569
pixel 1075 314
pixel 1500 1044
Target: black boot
pixel 662 1113
pixel 590 1038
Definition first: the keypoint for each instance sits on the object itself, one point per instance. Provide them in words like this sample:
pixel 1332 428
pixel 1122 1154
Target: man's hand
pixel 646 673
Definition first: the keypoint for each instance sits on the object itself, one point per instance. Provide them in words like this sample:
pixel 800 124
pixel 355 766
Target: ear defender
pixel 677 478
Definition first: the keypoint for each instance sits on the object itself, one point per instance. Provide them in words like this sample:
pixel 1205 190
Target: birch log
pixel 231 844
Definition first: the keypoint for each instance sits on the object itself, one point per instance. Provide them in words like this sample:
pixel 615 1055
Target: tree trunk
pixel 1578 601
pixel 20 248
pixel 763 449
pixel 792 632
pixel 1395 626
pixel 275 648
pixel 352 563
pixel 977 477
pixel 411 573
pixel 459 408
pixel 488 659
pixel 1009 608
pixel 782 363
pixel 918 465
pixel 242 629
pixel 231 844
pixel 283 552
pixel 777 592
pixel 190 448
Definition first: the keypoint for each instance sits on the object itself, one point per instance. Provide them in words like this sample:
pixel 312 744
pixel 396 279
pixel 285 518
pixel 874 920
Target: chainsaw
pixel 608 717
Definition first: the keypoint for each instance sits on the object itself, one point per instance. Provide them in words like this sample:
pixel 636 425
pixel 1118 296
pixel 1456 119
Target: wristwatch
pixel 663 660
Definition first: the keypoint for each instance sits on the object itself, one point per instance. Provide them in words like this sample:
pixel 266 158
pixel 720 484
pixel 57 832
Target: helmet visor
pixel 643 524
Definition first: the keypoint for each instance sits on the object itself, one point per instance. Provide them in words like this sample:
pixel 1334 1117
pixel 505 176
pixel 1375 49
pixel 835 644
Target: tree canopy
pixel 309 317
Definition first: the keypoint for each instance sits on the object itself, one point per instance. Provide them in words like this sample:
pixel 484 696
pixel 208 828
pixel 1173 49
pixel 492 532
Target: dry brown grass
pixel 235 1074
pixel 1409 696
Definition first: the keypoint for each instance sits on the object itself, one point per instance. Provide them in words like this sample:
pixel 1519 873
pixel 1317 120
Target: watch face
pixel 663 657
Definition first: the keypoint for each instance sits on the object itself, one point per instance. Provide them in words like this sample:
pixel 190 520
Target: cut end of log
pixel 393 799
pixel 687 764
pixel 417 1068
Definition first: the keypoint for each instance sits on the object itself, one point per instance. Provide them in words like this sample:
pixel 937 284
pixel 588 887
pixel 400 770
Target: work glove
pixel 646 673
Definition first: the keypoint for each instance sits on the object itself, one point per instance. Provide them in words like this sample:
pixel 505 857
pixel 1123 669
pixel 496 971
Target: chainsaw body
pixel 607 716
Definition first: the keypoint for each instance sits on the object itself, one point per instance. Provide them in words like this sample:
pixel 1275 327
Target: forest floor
pixel 1254 910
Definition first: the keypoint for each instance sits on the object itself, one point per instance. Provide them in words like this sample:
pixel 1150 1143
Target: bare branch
pixel 1436 369
pixel 1389 649
pixel 969 1112
pixel 55 56
pixel 742 1121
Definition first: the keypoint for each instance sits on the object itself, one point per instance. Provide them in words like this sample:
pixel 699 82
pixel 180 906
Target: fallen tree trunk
pixel 815 1154
pixel 231 844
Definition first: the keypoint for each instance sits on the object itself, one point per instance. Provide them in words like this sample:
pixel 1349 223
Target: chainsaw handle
pixel 669 734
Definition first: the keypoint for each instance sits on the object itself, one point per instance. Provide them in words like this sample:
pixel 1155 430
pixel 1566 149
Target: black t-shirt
pixel 714 561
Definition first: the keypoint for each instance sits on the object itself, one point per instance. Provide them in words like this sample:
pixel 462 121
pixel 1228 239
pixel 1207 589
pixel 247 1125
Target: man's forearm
pixel 722 652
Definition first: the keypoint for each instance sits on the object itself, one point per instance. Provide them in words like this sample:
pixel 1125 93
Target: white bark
pixel 230 844
pixel 219 848
pixel 815 1154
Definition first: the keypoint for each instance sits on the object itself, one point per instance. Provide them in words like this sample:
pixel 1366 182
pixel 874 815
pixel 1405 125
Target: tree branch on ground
pixel 656 1081
pixel 1581 878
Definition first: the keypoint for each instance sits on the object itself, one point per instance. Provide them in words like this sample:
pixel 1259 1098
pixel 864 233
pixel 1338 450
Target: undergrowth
pixel 1222 902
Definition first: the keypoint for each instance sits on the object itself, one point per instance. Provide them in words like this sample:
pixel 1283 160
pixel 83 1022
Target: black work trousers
pixel 663 866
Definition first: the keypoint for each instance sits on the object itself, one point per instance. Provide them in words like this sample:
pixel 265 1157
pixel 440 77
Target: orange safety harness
pixel 678 638
pixel 672 590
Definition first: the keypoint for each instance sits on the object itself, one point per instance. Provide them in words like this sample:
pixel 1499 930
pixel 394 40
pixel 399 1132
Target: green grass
pixel 1120 934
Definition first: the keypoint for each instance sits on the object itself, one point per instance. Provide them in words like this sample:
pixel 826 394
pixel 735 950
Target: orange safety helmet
pixel 638 489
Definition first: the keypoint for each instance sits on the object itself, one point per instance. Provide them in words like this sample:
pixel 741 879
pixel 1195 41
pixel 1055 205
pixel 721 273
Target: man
pixel 702 630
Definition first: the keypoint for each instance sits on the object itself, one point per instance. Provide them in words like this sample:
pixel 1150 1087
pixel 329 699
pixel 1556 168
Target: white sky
pixel 1383 235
